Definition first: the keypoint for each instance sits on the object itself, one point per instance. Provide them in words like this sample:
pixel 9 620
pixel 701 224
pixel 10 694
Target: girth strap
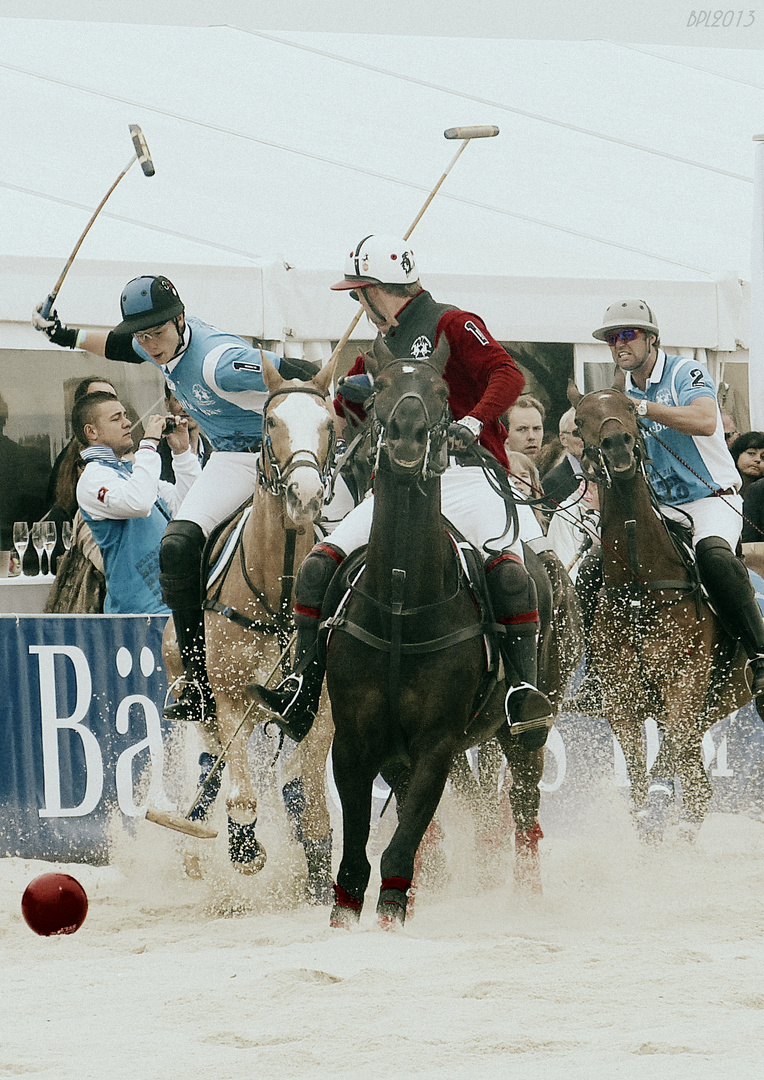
pixel 413 648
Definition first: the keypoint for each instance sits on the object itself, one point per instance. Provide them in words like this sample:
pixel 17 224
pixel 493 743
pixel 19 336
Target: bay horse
pixel 657 645
pixel 406 656
pixel 247 617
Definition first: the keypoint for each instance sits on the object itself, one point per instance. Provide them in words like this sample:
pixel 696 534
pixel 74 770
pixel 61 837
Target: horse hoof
pixel 346 912
pixel 247 854
pixel 343 918
pixel 652 819
pixel 392 903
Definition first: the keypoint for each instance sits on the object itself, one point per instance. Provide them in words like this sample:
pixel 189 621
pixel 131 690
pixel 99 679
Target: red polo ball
pixel 54 904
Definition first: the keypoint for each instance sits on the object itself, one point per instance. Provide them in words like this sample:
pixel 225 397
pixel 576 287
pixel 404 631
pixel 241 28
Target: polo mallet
pixel 141 155
pixel 466 134
pixel 182 823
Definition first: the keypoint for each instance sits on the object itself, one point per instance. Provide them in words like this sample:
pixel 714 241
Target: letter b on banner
pixel 52 723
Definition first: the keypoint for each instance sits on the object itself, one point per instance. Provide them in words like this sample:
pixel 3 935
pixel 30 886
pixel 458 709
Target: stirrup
pixel 290 705
pixel 192 705
pixel 756 668
pixel 531 711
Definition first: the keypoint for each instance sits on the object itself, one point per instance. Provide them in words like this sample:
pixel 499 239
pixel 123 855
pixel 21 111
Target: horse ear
pixel 379 357
pixel 574 394
pixel 440 354
pixel 271 376
pixel 323 379
pixel 619 380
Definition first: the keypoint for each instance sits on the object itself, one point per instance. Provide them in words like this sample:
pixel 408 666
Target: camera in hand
pixel 169 425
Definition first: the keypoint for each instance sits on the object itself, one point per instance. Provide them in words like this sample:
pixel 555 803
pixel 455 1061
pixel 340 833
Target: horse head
pixel 410 414
pixel 299 440
pixel 606 420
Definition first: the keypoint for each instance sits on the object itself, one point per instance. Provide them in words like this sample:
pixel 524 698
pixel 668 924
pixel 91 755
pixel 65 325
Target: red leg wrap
pixel 400 883
pixel 344 899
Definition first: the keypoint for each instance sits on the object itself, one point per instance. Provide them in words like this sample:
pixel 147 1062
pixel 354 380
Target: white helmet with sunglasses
pixel 627 315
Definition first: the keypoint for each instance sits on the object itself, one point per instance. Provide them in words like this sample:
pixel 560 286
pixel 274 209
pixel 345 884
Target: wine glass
pixel 21 541
pixel 49 537
pixel 38 542
pixel 67 534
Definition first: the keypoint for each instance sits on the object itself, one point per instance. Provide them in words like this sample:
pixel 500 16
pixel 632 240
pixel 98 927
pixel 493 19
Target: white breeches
pixel 718 515
pixel 467 500
pixel 227 480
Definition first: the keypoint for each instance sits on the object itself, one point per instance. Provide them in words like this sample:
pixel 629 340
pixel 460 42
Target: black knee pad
pixel 719 566
pixel 180 561
pixel 511 587
pixel 315 573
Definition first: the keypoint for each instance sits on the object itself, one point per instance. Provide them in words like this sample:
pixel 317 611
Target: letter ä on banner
pixel 153 742
pixel 52 723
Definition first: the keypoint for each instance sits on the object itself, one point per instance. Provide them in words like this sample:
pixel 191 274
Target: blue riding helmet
pixel 146 302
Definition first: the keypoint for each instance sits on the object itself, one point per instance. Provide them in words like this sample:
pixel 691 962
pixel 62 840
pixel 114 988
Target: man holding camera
pixel 124 502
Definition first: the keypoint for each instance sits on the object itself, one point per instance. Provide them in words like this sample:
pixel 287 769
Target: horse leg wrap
pixel 318 856
pixel 245 851
pixel 346 911
pixel 393 899
pixel 293 793
pixel 211 789
pixel 527 867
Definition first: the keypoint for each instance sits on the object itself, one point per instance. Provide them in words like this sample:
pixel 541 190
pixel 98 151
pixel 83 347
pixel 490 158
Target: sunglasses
pixel 622 335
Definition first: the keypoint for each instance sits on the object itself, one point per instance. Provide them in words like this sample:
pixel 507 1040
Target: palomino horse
pixel 405 659
pixel 654 640
pixel 247 611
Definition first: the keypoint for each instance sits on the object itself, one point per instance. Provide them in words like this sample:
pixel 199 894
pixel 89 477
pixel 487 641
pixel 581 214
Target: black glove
pixel 53 329
pixel 355 388
pixel 463 433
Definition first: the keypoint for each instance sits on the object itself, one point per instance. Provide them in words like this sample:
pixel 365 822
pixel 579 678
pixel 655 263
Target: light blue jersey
pixel 700 464
pixel 218 380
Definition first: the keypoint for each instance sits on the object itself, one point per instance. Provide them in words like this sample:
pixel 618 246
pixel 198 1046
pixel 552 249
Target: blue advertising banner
pixel 82 739
pixel 80 725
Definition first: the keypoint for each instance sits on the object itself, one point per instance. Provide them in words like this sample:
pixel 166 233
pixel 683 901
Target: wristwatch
pixel 642 407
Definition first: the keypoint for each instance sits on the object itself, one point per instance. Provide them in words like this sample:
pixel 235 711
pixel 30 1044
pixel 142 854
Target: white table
pixel 24 595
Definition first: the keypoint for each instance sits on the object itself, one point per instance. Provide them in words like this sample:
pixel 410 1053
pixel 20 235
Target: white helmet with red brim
pixel 379 260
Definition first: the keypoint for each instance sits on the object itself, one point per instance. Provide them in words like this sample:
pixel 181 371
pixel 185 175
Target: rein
pixel 275 482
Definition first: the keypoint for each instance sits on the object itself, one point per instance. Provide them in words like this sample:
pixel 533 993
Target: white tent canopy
pixel 619 170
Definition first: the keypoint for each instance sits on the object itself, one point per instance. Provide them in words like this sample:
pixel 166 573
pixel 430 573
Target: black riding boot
pixel 514 600
pixel 294 701
pixel 529 712
pixel 180 558
pixel 732 596
pixel 588 698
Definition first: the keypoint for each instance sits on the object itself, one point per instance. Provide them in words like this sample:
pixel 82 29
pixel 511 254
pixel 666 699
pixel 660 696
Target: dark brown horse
pixel 405 663
pixel 655 641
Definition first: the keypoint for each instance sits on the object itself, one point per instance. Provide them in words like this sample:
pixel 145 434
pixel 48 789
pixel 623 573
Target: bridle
pixel 594 456
pixel 434 462
pixel 276 476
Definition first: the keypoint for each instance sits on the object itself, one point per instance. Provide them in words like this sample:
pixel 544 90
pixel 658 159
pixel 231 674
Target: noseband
pixel 278 474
